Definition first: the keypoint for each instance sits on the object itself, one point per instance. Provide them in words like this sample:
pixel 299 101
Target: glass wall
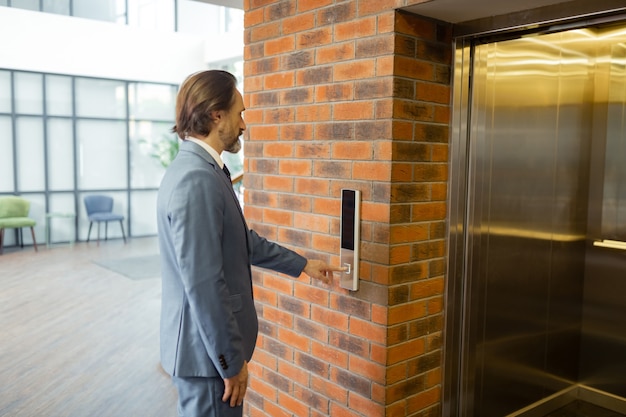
pixel 64 137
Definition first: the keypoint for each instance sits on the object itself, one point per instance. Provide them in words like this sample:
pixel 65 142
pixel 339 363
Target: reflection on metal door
pixel 535 118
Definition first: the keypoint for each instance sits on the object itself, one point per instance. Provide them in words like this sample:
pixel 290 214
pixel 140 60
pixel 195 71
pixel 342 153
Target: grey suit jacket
pixel 208 320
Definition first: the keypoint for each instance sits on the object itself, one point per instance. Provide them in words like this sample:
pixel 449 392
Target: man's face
pixel 234 126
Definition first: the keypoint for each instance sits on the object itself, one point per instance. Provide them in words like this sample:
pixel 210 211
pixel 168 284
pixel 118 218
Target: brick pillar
pixel 348 94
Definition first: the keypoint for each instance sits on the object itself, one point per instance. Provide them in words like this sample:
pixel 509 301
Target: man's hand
pixel 321 270
pixel 236 386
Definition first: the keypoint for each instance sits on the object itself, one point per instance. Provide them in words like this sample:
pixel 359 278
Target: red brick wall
pixel 348 94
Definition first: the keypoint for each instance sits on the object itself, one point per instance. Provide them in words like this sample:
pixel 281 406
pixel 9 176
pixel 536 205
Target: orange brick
pixel 313 186
pixel 330 390
pixel 429 211
pixel 413 68
pixel 295 340
pixel 280 45
pixel 277 183
pixel 407 312
pixel 264 32
pixel 356 110
pixel 313 150
pixel 278 217
pixel 274 410
pixel 400 254
pixel 354 70
pixel 326 243
pixel 352 150
pixel 259 132
pixel 264 389
pixel 334 92
pixel 366 407
pixel 293 373
pixel 300 131
pixel 376 212
pixel 328 317
pixel 355 29
pixel 312 222
pixel 385 66
pixel 277 316
pixel 313 113
pixel 296 407
pixel 437 93
pixel 372 332
pixel 279 80
pixel 298 23
pixel 423 400
pixel 330 354
pixel 326 206
pixel 403 233
pixel 253 18
pixel 277 150
pixel 379 314
pixel 334 53
pixel 375 171
pixel 304 5
pixel 295 167
pixel 313 38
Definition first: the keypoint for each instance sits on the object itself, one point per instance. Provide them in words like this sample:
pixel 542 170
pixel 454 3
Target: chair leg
pixel 98 233
pixel 106 230
pixel 32 232
pixel 1 240
pixel 123 235
pixel 21 238
pixel 89 232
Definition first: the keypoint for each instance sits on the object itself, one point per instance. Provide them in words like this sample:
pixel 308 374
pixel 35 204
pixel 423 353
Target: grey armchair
pixel 100 209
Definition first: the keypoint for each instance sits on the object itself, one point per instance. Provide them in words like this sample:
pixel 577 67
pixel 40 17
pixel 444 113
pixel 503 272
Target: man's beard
pixel 235 146
pixel 231 144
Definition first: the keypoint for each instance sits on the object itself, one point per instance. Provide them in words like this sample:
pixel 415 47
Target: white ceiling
pixel 455 11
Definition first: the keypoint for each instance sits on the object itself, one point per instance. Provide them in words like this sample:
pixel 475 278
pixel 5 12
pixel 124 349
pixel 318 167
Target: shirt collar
pixel 209 149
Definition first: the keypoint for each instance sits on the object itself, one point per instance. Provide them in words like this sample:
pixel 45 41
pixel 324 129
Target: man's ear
pixel 216 116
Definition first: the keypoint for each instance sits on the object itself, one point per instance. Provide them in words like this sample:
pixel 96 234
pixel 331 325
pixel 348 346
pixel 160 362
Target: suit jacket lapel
pixel 197 149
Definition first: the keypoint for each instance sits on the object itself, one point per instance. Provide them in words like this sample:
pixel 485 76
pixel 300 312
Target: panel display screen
pixel 348 206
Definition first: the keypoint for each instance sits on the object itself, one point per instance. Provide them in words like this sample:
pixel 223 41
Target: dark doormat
pixel 139 267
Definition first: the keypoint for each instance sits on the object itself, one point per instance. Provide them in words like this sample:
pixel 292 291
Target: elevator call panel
pixel 350 238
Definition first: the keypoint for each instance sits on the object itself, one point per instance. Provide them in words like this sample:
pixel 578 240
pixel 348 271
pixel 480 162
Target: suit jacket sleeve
pixel 270 255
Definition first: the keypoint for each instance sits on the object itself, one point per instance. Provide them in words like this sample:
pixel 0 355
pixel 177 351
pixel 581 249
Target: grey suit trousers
pixel 202 397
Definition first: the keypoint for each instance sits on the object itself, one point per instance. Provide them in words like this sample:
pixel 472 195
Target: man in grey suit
pixel 208 319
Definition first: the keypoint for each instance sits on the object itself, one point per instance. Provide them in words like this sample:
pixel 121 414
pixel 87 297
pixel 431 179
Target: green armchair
pixel 14 215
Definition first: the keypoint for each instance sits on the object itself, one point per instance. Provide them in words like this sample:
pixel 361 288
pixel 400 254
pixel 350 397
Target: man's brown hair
pixel 200 94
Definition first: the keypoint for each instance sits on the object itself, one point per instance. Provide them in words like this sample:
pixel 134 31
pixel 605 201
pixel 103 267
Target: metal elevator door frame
pixel 562 234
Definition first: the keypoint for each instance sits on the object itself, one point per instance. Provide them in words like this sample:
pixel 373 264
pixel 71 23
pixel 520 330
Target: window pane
pixel 57 6
pixel 60 154
pixel 30 154
pixel 62 228
pixel 151 146
pixel 101 155
pixel 106 10
pixel 151 101
pixel 25 4
pixel 143 215
pixel 28 93
pixel 6 156
pixel 58 95
pixel 5 92
pixel 100 98
pixel 198 18
pixel 152 14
